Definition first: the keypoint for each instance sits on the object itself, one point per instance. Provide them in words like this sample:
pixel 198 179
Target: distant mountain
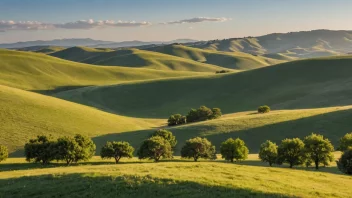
pixel 141 43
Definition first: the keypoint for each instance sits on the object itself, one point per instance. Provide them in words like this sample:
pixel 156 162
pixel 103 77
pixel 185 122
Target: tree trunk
pixel 195 159
pixel 117 159
pixel 316 164
pixel 291 164
pixel 270 164
pixel 68 162
pixel 231 160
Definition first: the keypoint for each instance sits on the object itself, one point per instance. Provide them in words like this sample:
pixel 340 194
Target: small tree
pixel 192 115
pixel 86 148
pixel 167 135
pixel 345 162
pixel 216 113
pixel 345 142
pixel 264 109
pixel 155 148
pixel 204 113
pixel 234 149
pixel 116 150
pixel 291 151
pixel 319 149
pixel 176 119
pixel 268 152
pixel 66 149
pixel 4 153
pixel 198 148
pixel 42 150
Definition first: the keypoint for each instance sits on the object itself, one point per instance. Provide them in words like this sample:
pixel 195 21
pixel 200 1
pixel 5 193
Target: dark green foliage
pixel 66 149
pixel 234 149
pixel 222 71
pixel 345 142
pixel 291 151
pixel 264 109
pixel 345 162
pixel 198 148
pixel 203 113
pixel 155 148
pixel 268 152
pixel 116 150
pixel 4 153
pixel 318 149
pixel 167 135
pixel 176 119
pixel 40 150
pixel 86 148
pixel 216 113
pixel 192 115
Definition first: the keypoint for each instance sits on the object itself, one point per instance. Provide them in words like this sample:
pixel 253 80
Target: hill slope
pixel 299 84
pixel 133 58
pixel 34 71
pixel 232 60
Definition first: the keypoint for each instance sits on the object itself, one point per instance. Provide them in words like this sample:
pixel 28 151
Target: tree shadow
pixel 93 185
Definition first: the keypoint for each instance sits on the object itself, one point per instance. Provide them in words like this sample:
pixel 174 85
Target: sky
pixel 165 20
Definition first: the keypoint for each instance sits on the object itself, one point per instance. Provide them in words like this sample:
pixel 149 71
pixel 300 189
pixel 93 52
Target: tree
pixel 167 135
pixel 216 113
pixel 234 149
pixel 66 148
pixel 155 148
pixel 345 162
pixel 116 150
pixel 198 148
pixel 42 150
pixel 319 149
pixel 4 153
pixel 192 115
pixel 264 109
pixel 268 152
pixel 86 148
pixel 176 119
pixel 345 142
pixel 204 113
pixel 291 151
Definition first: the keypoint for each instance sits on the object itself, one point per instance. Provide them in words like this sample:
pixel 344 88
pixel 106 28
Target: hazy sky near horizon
pixel 162 20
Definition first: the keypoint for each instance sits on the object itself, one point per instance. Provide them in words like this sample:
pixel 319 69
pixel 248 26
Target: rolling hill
pixel 133 58
pixel 34 71
pixel 232 60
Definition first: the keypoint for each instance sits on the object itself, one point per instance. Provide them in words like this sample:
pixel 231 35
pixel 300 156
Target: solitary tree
pixel 345 142
pixel 66 149
pixel 198 148
pixel 176 119
pixel 264 109
pixel 155 148
pixel 167 135
pixel 42 150
pixel 319 149
pixel 268 152
pixel 291 151
pixel 86 148
pixel 234 149
pixel 116 150
pixel 345 162
pixel 4 153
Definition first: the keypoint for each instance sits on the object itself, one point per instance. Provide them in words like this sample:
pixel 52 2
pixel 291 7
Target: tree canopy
pixel 198 148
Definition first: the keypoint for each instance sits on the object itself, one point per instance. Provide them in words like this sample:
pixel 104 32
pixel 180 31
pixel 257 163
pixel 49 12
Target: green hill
pixel 34 71
pixel 134 58
pixel 232 60
pixel 300 84
pixel 42 49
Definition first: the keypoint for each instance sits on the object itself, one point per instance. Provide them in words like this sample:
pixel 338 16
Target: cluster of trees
pixel 264 109
pixel 4 153
pixel 313 149
pixel 45 149
pixel 195 115
pixel 222 71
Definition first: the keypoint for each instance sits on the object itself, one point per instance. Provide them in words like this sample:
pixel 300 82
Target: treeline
pixel 195 115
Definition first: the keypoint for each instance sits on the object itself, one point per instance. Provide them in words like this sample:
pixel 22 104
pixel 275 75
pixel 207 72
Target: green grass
pixel 34 71
pixel 232 60
pixel 134 58
pixel 177 178
pixel 310 83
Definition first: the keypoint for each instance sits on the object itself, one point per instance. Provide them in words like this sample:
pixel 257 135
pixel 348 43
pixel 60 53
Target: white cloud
pixel 198 20
pixel 23 25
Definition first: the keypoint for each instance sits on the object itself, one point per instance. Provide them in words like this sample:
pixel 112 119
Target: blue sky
pixel 223 18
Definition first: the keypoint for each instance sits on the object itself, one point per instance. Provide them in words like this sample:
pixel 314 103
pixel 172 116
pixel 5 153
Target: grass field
pixel 176 178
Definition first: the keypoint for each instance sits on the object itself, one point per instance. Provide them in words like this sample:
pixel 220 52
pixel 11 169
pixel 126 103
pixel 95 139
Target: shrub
pixel 268 152
pixel 4 153
pixel 192 115
pixel 198 148
pixel 116 150
pixel 42 150
pixel 222 71
pixel 155 148
pixel 264 109
pixel 234 149
pixel 345 162
pixel 291 151
pixel 167 135
pixel 345 142
pixel 318 149
pixel 176 119
pixel 216 113
pixel 202 114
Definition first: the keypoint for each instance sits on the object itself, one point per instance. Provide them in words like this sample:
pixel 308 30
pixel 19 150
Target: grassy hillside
pixel 25 114
pixel 178 178
pixel 34 71
pixel 300 84
pixel 233 60
pixel 42 49
pixel 133 58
